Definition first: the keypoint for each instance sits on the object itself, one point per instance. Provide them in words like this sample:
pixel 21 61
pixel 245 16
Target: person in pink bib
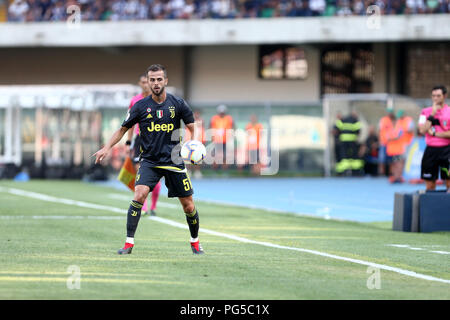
pixel 134 145
pixel 434 123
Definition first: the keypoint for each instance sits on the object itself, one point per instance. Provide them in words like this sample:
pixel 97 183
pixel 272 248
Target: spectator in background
pixel 175 9
pixel 432 6
pixel 283 7
pixel 253 129
pixel 34 12
pixel 408 127
pixel 17 11
pixel 349 128
pixel 188 10
pixel 396 7
pixel 317 7
pixel 336 133
pixel 359 8
pixel 268 9
pixel 220 123
pixel 115 10
pixel 303 9
pixel 131 10
pixel 369 152
pixel 251 9
pixel 157 10
pixel 202 10
pixel 385 128
pixel 58 11
pixel 92 11
pixel 343 8
pixel 401 137
pixel 44 7
pixel 415 6
pixel 220 9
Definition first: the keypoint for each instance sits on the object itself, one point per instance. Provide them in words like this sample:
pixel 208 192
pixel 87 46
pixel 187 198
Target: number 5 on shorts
pixel 187 184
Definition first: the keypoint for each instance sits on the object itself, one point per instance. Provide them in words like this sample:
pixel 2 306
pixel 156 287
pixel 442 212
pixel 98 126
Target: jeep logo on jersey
pixel 159 113
pixel 160 127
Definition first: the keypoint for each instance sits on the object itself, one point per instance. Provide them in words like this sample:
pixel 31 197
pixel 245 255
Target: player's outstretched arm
pixel 129 138
pixel 116 137
pixel 191 128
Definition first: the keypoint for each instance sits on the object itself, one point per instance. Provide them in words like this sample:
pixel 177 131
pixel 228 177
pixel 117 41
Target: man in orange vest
pixel 220 123
pixel 385 128
pixel 401 137
pixel 253 129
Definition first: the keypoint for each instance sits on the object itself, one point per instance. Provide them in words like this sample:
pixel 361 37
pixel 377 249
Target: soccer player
pixel 434 123
pixel 159 116
pixel 134 145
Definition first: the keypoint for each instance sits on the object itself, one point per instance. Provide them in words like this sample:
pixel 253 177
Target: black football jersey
pixel 159 128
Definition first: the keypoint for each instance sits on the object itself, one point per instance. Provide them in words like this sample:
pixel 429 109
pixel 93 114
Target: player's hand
pixel 435 108
pixel 101 154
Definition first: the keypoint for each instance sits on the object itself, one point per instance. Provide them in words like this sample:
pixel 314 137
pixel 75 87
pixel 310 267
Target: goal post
pixel 370 109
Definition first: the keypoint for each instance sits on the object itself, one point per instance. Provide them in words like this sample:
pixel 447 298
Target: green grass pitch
pixel 41 239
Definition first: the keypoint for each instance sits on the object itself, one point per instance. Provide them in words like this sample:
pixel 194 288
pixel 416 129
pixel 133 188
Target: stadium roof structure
pixel 426 27
pixel 74 97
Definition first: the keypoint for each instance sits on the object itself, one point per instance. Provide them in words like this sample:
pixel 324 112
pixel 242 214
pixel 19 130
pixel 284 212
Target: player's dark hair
pixel 440 87
pixel 142 75
pixel 157 67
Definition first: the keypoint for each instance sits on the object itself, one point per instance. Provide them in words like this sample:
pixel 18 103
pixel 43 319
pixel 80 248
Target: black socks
pixel 134 214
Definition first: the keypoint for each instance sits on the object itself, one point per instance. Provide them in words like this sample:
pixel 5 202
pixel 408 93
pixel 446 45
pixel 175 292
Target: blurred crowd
pixel 114 10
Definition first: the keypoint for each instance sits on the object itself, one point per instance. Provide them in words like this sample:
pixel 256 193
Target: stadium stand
pixel 115 10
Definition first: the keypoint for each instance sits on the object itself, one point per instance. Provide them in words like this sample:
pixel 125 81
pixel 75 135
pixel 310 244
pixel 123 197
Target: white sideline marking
pixel 224 235
pixel 407 246
pixel 62 217
pixel 441 252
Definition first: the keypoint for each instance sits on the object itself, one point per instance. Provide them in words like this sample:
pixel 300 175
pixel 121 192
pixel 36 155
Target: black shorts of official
pixel 178 183
pixel 136 149
pixel 433 160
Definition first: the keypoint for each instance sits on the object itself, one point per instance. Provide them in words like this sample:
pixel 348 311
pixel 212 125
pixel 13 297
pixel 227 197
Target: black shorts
pixel 178 183
pixel 435 158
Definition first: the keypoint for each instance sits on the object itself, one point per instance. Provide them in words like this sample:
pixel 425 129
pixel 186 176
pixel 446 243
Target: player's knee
pixel 140 195
pixel 189 207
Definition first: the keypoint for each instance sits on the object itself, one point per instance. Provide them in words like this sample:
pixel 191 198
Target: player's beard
pixel 159 93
